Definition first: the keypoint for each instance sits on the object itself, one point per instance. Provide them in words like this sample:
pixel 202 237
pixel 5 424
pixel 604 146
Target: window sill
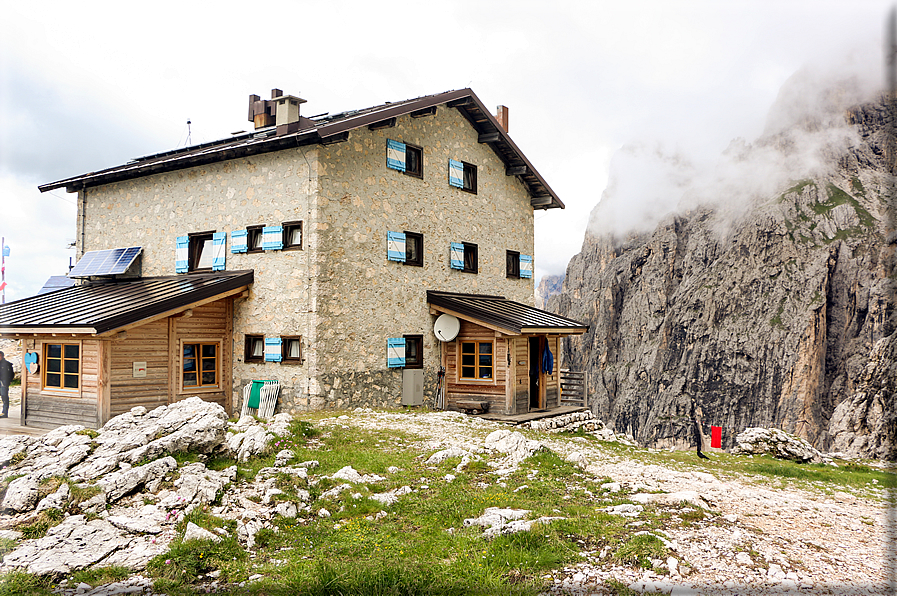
pixel 188 390
pixel 57 392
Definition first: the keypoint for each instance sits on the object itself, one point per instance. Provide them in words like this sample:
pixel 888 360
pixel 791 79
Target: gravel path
pixel 764 540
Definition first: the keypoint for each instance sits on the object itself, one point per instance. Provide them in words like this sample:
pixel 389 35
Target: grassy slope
pixel 421 546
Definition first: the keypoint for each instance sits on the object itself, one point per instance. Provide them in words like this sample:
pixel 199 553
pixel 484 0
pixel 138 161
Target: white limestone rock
pixel 12 446
pixel 440 456
pixel 22 494
pixel 777 443
pixel 74 544
pixel 146 520
pixel 286 509
pixel 134 556
pixel 120 483
pixel 194 532
pixel 514 444
pixel 349 474
pixel 55 500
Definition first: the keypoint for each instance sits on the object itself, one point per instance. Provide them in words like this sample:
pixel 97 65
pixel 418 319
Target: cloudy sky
pixel 89 85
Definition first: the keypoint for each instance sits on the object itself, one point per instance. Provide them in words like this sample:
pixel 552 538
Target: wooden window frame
pixel 419 151
pixel 460 367
pixel 61 390
pixel 219 371
pixel 285 358
pixel 254 233
pixel 419 261
pixel 288 226
pixel 471 258
pixel 512 264
pixel 469 178
pixel 195 249
pixel 419 361
pixel 247 348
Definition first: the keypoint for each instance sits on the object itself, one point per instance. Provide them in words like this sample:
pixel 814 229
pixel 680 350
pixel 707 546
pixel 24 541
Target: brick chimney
pixel 281 110
pixel 501 114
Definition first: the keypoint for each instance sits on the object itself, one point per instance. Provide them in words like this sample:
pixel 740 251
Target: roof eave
pixel 38 330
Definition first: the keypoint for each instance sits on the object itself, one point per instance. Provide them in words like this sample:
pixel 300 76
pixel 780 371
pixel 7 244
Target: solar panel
pixel 56 282
pixel 113 261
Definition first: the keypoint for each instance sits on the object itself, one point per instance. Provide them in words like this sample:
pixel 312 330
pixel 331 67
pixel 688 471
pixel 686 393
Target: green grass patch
pixel 46 519
pixel 15 583
pixel 97 576
pixel 639 550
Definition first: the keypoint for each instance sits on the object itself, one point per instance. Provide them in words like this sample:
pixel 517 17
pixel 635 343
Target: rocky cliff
pixel 775 310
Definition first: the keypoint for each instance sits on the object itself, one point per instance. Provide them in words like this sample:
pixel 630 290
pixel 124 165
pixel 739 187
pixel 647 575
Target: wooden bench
pixel 473 406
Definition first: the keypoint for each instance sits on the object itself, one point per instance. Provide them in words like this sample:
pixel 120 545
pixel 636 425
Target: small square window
pixel 513 263
pixel 470 178
pixel 470 258
pixel 292 349
pixel 414 161
pixel 292 235
pixel 254 348
pixel 254 238
pixel 201 253
pixel 414 249
pixel 414 351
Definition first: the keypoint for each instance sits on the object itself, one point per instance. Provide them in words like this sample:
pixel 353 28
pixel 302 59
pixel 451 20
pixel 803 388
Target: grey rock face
pixel 763 318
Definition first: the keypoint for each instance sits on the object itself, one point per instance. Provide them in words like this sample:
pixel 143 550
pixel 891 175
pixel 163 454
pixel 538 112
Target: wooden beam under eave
pixel 468 318
pixel 489 137
pixel 172 312
pixel 515 170
pixel 388 123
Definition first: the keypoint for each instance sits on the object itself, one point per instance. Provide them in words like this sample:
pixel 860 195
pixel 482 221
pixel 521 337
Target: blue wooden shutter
pixel 272 237
pixel 395 352
pixel 238 241
pixel 182 254
pixel 395 155
pixel 456 255
pixel 273 353
pixel 456 173
pixel 395 246
pixel 526 266
pixel 219 242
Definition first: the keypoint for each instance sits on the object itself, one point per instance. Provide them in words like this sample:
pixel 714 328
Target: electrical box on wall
pixel 413 387
pixel 139 370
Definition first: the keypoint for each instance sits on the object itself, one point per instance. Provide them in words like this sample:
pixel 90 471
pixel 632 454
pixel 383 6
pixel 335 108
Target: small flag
pixel 2 286
pixel 5 251
pixel 716 437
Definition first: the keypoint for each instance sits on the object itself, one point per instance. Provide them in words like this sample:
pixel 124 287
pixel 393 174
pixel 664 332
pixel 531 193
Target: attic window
pixel 513 263
pixel 414 163
pixel 463 175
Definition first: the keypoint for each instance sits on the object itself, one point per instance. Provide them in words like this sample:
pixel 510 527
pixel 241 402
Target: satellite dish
pixel 446 327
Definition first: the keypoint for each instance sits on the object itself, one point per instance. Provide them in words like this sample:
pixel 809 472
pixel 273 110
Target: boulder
pixel 514 444
pixel 777 443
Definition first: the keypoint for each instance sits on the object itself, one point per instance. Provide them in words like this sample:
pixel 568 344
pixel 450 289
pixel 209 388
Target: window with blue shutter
pixel 182 254
pixel 395 246
pixel 219 242
pixel 272 237
pixel 238 241
pixel 457 255
pixel 395 155
pixel 395 352
pixel 526 266
pixel 456 173
pixel 273 351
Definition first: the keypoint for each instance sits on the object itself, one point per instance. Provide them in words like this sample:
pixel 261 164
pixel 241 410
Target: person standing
pixel 6 376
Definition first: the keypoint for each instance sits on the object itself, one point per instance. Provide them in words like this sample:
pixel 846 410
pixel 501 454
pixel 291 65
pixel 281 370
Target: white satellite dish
pixel 446 327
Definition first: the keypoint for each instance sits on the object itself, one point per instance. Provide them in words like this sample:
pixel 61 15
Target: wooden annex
pixel 105 348
pixel 499 354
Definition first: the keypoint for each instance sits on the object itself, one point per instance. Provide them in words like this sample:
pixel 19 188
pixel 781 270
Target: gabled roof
pixel 331 129
pixel 506 315
pixel 97 308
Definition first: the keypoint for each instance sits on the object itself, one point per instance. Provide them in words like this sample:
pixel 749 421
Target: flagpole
pixel 3 269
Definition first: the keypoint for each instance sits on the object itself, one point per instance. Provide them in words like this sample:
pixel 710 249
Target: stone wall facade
pixel 340 293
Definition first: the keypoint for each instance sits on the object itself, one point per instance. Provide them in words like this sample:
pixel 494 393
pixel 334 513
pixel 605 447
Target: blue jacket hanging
pixel 547 359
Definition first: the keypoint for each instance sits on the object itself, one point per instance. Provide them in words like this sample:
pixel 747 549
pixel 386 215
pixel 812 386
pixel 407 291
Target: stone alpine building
pixel 316 252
